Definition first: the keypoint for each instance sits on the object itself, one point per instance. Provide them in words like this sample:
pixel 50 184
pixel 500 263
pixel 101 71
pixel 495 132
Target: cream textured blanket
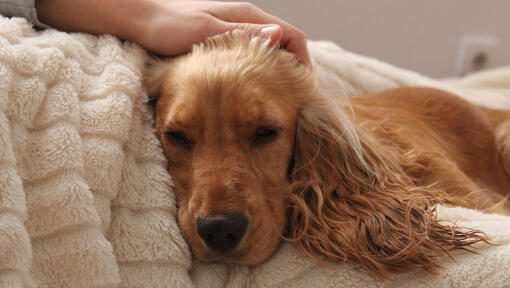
pixel 84 194
pixel 85 199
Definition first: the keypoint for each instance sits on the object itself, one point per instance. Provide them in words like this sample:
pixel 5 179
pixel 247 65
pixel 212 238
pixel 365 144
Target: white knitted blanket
pixel 85 199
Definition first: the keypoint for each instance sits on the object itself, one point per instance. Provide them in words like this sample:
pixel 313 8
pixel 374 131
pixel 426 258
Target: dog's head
pixel 257 154
pixel 226 116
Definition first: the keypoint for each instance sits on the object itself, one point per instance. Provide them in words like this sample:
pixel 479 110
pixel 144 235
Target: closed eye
pixel 265 135
pixel 179 138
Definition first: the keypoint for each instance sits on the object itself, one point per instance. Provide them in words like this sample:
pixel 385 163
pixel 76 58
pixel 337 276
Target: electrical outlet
pixel 477 53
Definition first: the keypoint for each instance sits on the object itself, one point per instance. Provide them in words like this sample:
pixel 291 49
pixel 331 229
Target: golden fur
pixel 343 179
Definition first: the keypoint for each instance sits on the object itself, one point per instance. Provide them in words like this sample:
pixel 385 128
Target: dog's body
pixel 257 153
pixel 455 141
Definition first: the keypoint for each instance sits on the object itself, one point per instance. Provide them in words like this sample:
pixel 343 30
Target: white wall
pixel 418 35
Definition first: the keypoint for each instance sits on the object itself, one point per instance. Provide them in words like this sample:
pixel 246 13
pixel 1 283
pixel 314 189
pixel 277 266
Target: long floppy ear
pixel 351 199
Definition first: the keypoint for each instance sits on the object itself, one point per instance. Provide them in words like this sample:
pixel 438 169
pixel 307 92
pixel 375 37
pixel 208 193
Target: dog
pixel 259 154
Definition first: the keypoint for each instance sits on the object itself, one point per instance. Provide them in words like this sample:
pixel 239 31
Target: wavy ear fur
pixel 351 199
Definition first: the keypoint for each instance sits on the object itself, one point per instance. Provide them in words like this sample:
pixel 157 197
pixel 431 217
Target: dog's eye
pixel 178 137
pixel 265 134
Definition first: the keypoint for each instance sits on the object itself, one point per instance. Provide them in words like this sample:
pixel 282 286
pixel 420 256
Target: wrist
pixel 132 18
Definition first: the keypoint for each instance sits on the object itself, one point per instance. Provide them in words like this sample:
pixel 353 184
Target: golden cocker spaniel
pixel 258 154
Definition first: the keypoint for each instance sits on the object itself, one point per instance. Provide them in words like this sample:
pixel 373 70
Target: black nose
pixel 222 233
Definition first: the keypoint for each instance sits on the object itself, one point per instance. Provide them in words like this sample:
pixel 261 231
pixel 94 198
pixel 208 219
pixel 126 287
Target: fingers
pixel 297 45
pixel 293 40
pixel 272 32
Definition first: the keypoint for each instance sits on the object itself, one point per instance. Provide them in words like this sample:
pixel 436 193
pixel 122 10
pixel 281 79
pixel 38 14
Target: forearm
pixel 91 16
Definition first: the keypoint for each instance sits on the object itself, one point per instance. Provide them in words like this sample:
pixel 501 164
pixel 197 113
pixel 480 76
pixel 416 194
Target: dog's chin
pixel 226 258
pixel 232 258
pixel 235 257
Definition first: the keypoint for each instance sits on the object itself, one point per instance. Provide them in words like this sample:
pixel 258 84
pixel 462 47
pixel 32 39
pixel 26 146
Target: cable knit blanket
pixel 85 199
pixel 84 194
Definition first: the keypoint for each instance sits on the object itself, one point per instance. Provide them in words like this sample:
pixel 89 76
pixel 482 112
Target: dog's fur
pixel 344 179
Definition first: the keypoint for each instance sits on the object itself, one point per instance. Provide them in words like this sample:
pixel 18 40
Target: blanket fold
pixel 86 200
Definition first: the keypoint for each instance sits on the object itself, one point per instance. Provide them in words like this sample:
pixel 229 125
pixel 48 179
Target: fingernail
pixel 269 31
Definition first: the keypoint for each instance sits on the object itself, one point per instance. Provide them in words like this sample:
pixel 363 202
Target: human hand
pixel 170 27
